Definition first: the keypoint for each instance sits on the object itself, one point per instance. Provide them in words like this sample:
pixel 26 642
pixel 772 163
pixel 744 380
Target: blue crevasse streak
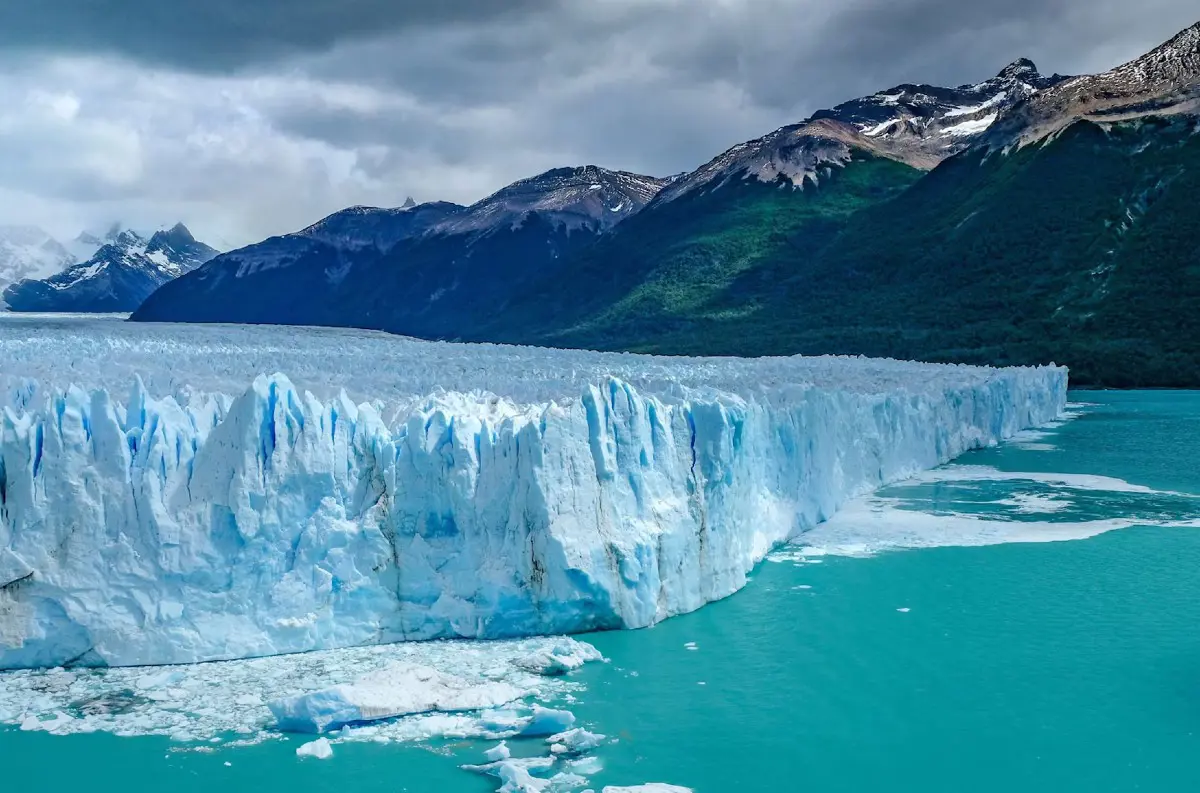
pixel 203 526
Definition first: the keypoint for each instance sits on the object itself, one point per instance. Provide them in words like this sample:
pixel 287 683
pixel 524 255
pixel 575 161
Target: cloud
pixel 215 35
pixel 252 119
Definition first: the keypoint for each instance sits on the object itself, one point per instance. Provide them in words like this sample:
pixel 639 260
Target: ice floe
pixel 399 689
pixel 1039 507
pixel 320 749
pixel 200 702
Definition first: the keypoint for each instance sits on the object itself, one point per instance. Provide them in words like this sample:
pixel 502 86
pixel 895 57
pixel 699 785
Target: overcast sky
pixel 246 118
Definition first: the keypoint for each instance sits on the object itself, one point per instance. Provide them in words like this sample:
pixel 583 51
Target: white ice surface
pixel 168 498
pixel 319 749
pixel 973 127
pixel 576 740
pixel 399 689
pixel 883 522
pixel 203 702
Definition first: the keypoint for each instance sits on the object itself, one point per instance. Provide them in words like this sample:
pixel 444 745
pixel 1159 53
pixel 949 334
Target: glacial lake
pixel 1028 665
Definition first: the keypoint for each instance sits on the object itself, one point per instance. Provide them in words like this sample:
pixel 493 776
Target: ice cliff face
pixel 206 525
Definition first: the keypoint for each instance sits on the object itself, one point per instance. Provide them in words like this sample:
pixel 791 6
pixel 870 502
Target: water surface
pixel 1045 666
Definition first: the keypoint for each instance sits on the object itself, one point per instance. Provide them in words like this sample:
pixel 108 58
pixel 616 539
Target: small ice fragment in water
pixel 586 766
pixel 547 721
pixel 319 749
pixel 904 610
pixel 565 656
pixel 691 646
pixel 498 752
pixel 575 741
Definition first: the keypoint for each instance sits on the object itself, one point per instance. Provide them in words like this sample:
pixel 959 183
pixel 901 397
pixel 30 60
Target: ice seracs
pixel 197 519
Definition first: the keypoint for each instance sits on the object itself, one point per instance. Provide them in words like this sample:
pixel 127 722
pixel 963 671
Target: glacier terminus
pixel 175 494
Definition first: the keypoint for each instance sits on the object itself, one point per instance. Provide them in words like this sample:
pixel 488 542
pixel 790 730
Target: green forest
pixel 1083 250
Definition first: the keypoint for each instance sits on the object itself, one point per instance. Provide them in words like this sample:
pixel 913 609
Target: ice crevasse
pixel 161 529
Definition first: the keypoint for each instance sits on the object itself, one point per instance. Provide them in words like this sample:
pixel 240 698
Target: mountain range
pixel 1021 219
pixel 29 252
pixel 119 269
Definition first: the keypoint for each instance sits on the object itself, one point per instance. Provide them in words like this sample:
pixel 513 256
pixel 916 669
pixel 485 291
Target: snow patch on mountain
pixel 973 127
pixel 908 123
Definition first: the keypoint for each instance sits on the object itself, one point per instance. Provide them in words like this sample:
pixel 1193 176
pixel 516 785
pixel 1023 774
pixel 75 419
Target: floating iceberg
pixel 400 689
pixel 319 749
pixel 574 741
pixel 547 721
pixel 401 490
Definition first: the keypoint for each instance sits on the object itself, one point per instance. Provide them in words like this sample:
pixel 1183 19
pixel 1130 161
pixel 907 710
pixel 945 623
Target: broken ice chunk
pixel 396 690
pixel 320 749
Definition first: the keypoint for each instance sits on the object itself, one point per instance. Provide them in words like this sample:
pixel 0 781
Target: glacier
pixel 177 494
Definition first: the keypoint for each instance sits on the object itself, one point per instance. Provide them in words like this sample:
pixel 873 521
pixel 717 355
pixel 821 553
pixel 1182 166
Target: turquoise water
pixel 1034 667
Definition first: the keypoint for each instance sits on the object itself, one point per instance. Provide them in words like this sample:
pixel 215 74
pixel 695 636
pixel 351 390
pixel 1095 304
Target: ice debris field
pixel 409 692
pixel 174 494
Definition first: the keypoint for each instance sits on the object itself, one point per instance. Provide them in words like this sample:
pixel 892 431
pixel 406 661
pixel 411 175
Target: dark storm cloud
pixel 222 34
pixel 261 115
pixel 783 59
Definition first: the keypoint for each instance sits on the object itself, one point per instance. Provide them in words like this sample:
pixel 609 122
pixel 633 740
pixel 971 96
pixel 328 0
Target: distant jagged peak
pixel 1020 69
pixel 409 203
pixel 574 196
pixel 1163 82
pixel 176 236
pixel 28 251
pixel 125 238
pixel 919 125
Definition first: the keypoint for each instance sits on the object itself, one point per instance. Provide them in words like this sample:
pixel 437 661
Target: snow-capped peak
pixel 920 125
pixel 117 277
pixel 1164 81
pixel 1020 69
pixel 29 252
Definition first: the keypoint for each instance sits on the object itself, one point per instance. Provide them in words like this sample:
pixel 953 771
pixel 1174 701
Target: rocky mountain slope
pixel 713 240
pixel 1066 232
pixel 117 278
pixel 417 269
pixel 1017 220
pixel 919 125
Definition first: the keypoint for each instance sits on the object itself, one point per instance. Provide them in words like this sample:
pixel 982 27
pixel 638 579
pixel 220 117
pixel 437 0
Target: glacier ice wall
pixel 200 526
